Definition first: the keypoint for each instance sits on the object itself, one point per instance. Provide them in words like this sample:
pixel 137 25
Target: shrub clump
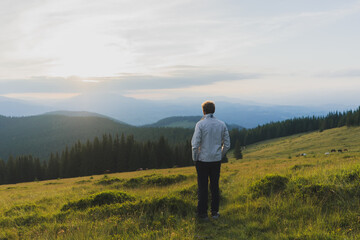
pixel 154 180
pixel 82 181
pixel 189 192
pixel 104 198
pixel 328 195
pixel 108 181
pixel 348 176
pixel 301 166
pixel 325 195
pixel 29 220
pixel 22 220
pixel 172 204
pixel 149 207
pixel 270 184
pixel 319 191
pixel 52 183
pixel 21 209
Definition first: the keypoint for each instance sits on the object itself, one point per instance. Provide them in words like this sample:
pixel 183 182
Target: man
pixel 210 143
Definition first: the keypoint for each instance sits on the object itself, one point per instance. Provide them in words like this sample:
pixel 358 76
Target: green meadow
pixel 272 193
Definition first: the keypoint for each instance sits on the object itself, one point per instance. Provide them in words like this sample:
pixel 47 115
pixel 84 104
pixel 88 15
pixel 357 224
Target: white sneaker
pixel 215 215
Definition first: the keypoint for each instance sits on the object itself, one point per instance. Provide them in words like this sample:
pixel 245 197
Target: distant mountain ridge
pixel 183 122
pixel 49 133
pixel 140 112
pixel 75 114
pixel 83 114
pixel 14 107
pixel 176 121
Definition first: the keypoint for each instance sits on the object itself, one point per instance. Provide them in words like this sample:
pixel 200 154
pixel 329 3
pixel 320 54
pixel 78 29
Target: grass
pixel 270 194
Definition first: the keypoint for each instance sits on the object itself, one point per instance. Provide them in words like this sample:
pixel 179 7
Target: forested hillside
pixel 43 134
pixel 271 194
pixel 106 154
pixel 184 122
pixel 179 121
pixel 294 126
pixel 122 147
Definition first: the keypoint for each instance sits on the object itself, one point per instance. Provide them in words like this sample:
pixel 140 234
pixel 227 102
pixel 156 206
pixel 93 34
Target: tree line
pixel 124 153
pixel 293 126
pixel 106 154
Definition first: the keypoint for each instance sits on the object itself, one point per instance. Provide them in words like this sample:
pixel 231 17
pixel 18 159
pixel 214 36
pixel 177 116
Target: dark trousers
pixel 206 170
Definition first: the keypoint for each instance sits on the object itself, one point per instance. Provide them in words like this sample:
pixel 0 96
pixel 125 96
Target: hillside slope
pixel 179 121
pixel 40 135
pixel 313 143
pixel 184 122
pixel 270 194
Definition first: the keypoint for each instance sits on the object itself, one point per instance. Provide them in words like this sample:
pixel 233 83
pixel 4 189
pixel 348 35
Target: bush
pixel 52 183
pixel 32 219
pixel 99 199
pixel 154 180
pixel 159 180
pixel 345 196
pixel 348 176
pixel 174 205
pixel 301 166
pixel 108 181
pixel 9 234
pixel 22 220
pixel 319 191
pixel 324 195
pixel 270 184
pixel 149 207
pixel 189 192
pixel 83 182
pixel 21 209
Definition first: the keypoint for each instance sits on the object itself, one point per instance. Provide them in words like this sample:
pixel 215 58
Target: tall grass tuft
pixel 149 207
pixel 103 198
pixel 154 180
pixel 268 185
pixel 108 181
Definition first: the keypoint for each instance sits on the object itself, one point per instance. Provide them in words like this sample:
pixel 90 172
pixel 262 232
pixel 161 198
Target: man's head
pixel 208 107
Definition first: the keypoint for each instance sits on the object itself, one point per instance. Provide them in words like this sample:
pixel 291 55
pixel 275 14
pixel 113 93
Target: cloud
pixel 173 47
pixel 38 85
pixel 101 38
pixel 177 77
pixel 41 96
pixel 344 73
pixel 173 77
pixel 282 89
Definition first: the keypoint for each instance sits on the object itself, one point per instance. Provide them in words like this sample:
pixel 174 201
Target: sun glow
pixel 83 48
pixel 90 81
pixel 41 96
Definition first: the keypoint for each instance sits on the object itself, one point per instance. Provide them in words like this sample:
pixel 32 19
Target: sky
pixel 284 52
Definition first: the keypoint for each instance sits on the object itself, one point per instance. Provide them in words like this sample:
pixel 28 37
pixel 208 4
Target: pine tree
pixel 11 170
pixel 237 150
pixel 2 171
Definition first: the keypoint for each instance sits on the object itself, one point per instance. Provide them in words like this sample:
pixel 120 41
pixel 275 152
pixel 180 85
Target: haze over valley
pixel 139 112
pixel 99 100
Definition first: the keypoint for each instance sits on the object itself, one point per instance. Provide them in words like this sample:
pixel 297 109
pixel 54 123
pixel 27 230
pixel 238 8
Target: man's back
pixel 210 140
pixel 209 143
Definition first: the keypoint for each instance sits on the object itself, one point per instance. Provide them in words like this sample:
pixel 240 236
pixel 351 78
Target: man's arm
pixel 195 143
pixel 226 142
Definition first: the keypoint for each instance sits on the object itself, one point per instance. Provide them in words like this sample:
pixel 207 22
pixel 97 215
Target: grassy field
pixel 273 193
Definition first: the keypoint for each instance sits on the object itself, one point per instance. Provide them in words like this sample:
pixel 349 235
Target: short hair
pixel 208 107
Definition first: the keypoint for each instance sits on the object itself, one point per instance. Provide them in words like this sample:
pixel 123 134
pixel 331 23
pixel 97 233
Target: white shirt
pixel 211 140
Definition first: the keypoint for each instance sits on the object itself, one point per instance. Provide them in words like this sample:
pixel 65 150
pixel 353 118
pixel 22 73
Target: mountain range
pixel 48 133
pixel 143 112
pixel 184 122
